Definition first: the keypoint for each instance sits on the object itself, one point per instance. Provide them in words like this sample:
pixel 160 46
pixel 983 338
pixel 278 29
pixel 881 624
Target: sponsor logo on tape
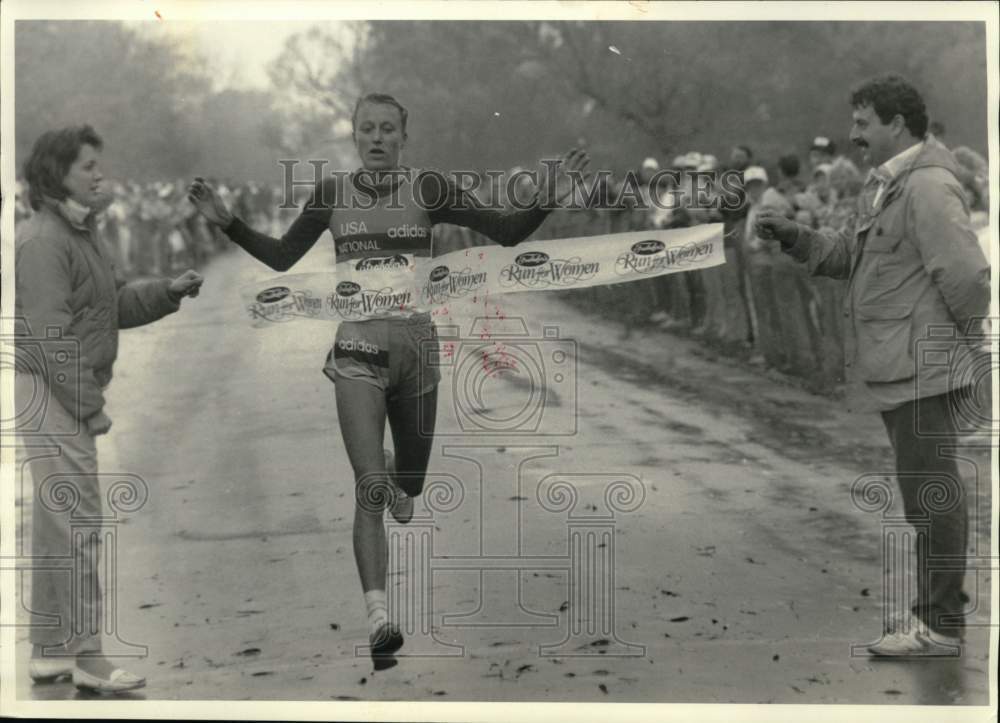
pixel 275 293
pixel 647 247
pixel 347 288
pixel 288 306
pixel 534 269
pixel 444 283
pixel 364 303
pixel 531 258
pixel 641 258
pixel 382 262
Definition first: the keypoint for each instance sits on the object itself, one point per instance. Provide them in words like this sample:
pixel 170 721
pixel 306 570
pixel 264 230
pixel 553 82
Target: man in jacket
pixel 918 287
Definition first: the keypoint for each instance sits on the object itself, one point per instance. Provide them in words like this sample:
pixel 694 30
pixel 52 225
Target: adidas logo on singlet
pixel 410 231
pixel 358 345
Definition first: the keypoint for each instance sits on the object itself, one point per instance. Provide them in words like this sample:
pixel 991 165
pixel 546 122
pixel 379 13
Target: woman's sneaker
pixel 384 642
pixel 117 682
pixel 401 506
pixel 48 670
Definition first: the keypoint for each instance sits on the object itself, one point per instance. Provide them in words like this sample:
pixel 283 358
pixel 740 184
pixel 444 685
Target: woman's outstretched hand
pixel 207 201
pixel 557 179
pixel 187 284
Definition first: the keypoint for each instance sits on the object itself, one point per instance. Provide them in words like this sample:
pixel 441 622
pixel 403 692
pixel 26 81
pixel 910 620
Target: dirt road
pixel 730 565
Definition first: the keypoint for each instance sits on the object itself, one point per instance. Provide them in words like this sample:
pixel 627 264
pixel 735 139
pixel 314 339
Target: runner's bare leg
pixel 362 413
pixel 412 424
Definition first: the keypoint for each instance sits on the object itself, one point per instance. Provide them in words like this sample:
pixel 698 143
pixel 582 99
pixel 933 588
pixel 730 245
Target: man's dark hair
pixel 745 149
pixel 51 157
pixel 891 95
pixel 789 166
pixel 384 99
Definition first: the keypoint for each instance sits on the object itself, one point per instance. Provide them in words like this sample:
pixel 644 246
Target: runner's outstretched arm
pixel 507 228
pixel 280 254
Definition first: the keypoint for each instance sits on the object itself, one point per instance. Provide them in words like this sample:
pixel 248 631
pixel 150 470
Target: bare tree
pixel 318 77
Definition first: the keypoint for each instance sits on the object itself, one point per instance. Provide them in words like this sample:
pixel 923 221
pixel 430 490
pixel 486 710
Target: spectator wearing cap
pixel 645 214
pixel 649 166
pixel 756 184
pixel 823 150
pixel 642 216
pixel 725 317
pixel 689 213
pixel 682 294
pixel 733 220
pixel 703 209
pixel 682 216
pixel 761 304
pixel 734 227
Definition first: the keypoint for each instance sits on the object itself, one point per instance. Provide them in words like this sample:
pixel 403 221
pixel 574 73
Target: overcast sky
pixel 237 51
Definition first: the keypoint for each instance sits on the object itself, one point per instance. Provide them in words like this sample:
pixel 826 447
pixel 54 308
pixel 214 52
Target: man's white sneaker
pixel 916 641
pixel 401 506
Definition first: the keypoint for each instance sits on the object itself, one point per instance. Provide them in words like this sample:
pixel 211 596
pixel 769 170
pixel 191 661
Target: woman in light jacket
pixel 70 304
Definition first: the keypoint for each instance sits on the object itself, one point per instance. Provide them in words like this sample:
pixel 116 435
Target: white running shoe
pixel 913 639
pixel 401 506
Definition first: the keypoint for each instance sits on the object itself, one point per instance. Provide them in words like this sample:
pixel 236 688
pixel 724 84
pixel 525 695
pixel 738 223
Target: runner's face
pixel 379 136
pixel 83 179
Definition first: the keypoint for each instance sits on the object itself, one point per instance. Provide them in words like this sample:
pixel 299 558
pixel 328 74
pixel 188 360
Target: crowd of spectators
pixel 152 230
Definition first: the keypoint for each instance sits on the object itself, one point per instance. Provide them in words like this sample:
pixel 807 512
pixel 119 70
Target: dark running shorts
pixel 397 355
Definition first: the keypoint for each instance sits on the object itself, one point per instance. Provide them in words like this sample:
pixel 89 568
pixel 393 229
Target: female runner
pixel 376 363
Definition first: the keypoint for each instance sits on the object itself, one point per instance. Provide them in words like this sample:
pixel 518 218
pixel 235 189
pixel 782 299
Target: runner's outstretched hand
pixel 557 187
pixel 207 201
